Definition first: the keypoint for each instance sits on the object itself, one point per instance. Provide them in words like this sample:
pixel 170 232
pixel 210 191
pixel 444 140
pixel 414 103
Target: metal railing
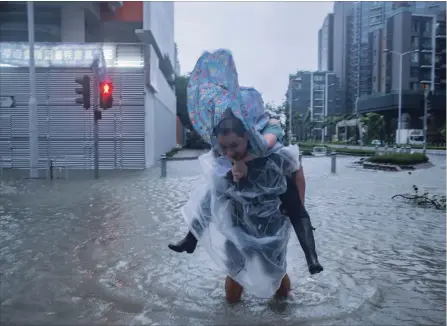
pixel 54 164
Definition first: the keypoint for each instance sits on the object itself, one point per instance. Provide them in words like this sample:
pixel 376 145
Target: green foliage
pixel 375 126
pixel 173 151
pixel 443 131
pixel 194 141
pixel 354 151
pixel 181 86
pixel 399 158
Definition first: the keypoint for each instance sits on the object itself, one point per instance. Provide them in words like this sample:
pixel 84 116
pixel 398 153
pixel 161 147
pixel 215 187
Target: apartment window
pixel 318 86
pixel 374 79
pixel 318 78
pixel 415 86
pixel 297 86
pixel 415 41
pixel 426 76
pixel 414 72
pixel 415 26
pixel 427 26
pixel 426 43
pixel 427 58
pixel 415 57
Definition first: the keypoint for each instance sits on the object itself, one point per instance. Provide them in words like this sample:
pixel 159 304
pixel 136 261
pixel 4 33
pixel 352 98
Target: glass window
pixel 414 72
pixel 415 25
pixel 426 43
pixel 415 57
pixel 427 26
pixel 415 41
pixel 415 86
pixel 427 58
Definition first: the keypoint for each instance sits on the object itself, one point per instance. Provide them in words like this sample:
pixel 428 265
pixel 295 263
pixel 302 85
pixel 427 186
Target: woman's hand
pixel 239 170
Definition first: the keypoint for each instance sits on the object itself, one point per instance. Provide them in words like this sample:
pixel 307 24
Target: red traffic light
pixel 105 95
pixel 106 88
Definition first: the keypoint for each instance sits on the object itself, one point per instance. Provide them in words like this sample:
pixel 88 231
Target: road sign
pixel 7 101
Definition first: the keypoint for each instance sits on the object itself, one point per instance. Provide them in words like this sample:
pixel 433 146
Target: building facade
pixel 342 23
pixel 358 28
pixel 59 22
pixel 420 38
pixel 142 123
pixel 326 44
pixel 312 96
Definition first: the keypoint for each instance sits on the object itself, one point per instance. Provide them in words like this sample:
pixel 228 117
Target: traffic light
pixel 105 95
pixel 84 91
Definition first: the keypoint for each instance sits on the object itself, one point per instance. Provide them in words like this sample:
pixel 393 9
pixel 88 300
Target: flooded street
pixel 86 252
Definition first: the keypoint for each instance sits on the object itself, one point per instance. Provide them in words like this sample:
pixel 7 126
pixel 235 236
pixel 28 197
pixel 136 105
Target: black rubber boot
pixel 300 220
pixel 188 244
pixel 307 241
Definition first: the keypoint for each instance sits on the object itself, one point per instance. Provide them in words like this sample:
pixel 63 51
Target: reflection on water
pixel 95 252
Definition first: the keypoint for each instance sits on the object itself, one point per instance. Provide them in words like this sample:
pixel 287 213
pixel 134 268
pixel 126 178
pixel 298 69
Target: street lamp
pixel 399 118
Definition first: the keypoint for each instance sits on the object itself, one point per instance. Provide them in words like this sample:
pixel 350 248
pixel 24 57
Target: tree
pixel 276 112
pixel 193 139
pixel 375 126
pixel 181 86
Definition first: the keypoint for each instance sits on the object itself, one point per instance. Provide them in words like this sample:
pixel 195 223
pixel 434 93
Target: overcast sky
pixel 269 40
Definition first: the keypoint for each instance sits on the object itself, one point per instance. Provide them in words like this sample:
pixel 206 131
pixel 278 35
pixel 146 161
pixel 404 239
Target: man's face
pixel 233 146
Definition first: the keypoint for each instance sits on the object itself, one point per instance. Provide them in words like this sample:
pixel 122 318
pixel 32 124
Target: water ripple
pixel 95 252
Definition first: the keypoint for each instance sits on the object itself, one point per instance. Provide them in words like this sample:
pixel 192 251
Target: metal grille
pixel 66 129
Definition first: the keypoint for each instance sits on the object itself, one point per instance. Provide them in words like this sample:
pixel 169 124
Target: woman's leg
pixel 233 290
pixel 284 288
pixel 189 242
pixel 300 219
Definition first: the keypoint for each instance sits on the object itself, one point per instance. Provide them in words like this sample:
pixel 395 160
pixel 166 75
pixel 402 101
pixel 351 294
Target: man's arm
pixel 300 183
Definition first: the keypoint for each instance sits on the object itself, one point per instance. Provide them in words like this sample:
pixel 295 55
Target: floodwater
pixel 86 252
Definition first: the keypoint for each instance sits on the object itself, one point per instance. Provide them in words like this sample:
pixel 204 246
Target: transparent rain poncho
pixel 240 224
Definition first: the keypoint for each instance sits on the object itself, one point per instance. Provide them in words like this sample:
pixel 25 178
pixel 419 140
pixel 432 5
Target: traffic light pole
pixel 96 117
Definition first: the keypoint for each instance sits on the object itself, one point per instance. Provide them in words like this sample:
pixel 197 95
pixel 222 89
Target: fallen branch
pixel 420 200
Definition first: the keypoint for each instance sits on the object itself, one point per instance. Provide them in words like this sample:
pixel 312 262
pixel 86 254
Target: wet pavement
pixel 86 252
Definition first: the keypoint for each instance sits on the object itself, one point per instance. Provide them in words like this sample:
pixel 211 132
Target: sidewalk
pixel 188 154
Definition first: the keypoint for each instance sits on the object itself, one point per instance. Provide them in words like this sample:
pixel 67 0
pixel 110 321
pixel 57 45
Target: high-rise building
pixel 320 49
pixel 408 52
pixel 440 65
pixel 314 93
pixel 358 29
pixel 342 15
pixel 326 44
